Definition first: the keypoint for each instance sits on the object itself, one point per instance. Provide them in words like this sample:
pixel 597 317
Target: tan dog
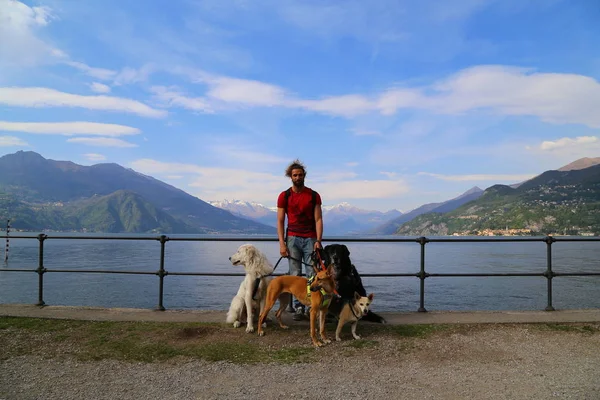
pixel 297 286
pixel 352 312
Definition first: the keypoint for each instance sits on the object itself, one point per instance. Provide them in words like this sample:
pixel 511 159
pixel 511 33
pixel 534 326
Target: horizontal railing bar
pixel 507 239
pixel 366 275
pixel 210 274
pixel 450 275
pixel 17 270
pixel 98 271
pixel 576 273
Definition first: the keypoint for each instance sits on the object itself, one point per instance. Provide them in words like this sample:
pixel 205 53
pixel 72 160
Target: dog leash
pixel 257 280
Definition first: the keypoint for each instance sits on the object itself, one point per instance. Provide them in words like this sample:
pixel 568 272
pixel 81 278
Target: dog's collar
pixel 353 312
pixel 326 296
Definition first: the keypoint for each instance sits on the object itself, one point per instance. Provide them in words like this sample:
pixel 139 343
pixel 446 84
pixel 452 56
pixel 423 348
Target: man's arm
pixel 281 232
pixel 319 225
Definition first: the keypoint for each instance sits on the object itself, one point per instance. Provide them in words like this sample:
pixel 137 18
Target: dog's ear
pixel 251 252
pixel 370 296
pixel 331 270
pixel 346 250
pixel 356 296
pixel 316 269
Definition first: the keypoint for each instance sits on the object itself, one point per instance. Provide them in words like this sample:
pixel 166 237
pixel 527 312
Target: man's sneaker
pixel 299 314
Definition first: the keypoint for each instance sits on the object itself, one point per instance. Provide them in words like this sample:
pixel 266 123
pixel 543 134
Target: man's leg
pixel 295 263
pixel 308 246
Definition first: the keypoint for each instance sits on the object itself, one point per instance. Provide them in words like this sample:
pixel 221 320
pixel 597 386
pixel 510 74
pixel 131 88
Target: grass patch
pixel 163 341
pixel 579 328
pixel 417 331
pixel 292 355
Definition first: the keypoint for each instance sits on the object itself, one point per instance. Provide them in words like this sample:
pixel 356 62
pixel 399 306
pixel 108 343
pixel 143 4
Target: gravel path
pixel 490 362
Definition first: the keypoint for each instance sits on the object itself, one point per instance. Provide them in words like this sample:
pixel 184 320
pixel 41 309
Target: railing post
pixel 549 274
pixel 422 274
pixel 41 270
pixel 161 273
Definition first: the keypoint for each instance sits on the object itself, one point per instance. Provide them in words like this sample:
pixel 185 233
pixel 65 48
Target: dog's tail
pixel 372 317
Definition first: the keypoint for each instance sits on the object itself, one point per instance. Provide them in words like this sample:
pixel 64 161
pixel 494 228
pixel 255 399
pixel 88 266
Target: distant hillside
pixel 37 183
pixel 344 219
pixel 392 226
pixel 555 202
pixel 582 163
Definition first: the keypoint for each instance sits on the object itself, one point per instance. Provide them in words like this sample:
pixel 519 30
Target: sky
pixel 389 104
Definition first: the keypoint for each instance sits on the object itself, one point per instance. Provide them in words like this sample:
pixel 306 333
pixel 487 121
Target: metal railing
pixel 422 275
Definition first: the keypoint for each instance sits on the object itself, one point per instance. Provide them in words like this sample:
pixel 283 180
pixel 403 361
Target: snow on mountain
pixel 338 219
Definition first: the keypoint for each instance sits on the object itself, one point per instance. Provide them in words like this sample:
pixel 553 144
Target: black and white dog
pixel 347 278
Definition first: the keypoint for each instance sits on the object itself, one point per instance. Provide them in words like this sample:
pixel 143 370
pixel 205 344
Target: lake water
pixel 391 293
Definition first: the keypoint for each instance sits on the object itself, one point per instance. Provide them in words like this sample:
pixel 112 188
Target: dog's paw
pixel 356 337
pixel 318 344
pixel 249 329
pixel 338 339
pixel 236 324
pixel 326 341
pixel 261 333
pixel 285 327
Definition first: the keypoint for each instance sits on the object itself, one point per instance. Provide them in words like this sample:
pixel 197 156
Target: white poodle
pixel 256 265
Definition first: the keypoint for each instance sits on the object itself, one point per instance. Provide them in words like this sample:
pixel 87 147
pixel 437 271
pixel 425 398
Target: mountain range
pixel 39 194
pixel 563 201
pixel 339 219
pixel 42 194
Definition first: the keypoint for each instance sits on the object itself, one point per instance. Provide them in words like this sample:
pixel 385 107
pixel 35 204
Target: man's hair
pixel 296 164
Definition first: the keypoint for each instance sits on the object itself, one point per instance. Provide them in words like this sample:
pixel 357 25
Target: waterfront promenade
pixel 406 318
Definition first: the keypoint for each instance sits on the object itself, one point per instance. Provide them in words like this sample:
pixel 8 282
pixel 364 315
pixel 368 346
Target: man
pixel 304 231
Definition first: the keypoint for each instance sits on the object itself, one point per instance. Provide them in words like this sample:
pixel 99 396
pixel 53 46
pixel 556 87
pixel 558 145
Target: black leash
pixel 257 280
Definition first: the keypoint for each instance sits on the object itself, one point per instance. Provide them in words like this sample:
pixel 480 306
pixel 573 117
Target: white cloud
pixel 68 128
pixel 101 142
pixel 566 149
pixel 44 97
pixel 481 177
pixel 552 97
pixel 172 98
pixel 345 106
pixel 245 92
pixel 581 141
pixel 210 183
pixel 130 75
pixel 98 73
pixel 94 157
pixel 10 141
pixel 99 87
pixel 19 30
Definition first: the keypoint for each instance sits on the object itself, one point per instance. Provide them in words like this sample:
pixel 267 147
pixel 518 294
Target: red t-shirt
pixel 300 212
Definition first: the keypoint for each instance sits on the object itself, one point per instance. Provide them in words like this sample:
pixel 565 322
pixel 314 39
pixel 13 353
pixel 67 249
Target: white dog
pixel 256 266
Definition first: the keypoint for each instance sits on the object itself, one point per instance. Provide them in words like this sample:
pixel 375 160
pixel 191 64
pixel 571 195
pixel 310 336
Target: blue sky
pixel 390 104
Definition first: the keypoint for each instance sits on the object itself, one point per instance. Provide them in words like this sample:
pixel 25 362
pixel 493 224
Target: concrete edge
pixel 211 316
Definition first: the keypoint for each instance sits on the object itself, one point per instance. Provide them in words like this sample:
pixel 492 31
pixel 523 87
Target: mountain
pixel 582 163
pixel 392 226
pixel 554 202
pixel 344 219
pixel 37 182
pixel 340 219
pixel 248 209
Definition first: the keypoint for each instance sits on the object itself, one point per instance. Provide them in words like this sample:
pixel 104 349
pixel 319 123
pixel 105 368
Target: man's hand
pixel 318 245
pixel 283 250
